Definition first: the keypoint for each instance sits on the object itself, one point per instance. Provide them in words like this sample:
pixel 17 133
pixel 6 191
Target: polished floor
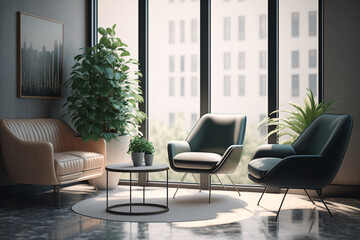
pixel 36 217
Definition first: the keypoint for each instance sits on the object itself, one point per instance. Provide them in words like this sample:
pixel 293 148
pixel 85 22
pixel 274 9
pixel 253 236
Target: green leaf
pixel 99 69
pixel 110 58
pixel 109 73
pixel 101 31
pixel 125 53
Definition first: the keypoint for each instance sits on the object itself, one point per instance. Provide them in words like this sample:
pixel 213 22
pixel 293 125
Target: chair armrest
pixel 175 147
pixel 273 150
pixel 230 160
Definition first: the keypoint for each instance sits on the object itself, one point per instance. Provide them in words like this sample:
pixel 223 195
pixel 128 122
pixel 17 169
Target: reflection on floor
pixel 36 217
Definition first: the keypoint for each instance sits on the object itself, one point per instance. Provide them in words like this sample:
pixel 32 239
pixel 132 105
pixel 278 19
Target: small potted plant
pixel 149 153
pixel 137 148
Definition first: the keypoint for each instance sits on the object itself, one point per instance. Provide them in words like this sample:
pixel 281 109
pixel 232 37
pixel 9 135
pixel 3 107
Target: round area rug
pixel 189 205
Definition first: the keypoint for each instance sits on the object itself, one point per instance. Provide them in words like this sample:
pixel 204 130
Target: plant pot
pixel 138 158
pixel 149 159
pixel 116 152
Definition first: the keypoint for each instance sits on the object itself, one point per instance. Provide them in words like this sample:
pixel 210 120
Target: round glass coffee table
pixel 129 168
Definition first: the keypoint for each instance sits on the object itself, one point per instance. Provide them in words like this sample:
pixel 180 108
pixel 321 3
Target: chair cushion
pixel 91 160
pixel 67 164
pixel 260 166
pixel 196 160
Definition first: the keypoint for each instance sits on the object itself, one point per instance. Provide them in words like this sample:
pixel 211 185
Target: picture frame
pixel 40 57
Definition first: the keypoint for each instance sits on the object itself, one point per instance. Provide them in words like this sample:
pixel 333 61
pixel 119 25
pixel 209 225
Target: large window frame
pixel 205 62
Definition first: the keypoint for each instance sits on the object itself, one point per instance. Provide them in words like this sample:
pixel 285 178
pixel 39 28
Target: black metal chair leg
pixel 309 197
pixel 261 196
pixel 318 193
pixel 277 214
pixel 59 190
pixel 209 188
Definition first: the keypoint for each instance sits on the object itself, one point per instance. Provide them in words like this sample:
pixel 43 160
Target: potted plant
pixel 104 97
pixel 149 153
pixel 297 120
pixel 137 149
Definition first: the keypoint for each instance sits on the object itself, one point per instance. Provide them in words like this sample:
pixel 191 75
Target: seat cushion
pixel 196 160
pixel 260 166
pixel 68 164
pixel 91 160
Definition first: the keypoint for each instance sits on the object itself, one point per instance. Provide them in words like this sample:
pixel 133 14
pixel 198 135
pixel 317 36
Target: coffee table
pixel 129 168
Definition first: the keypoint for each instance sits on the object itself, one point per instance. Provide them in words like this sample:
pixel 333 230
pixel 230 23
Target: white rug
pixel 189 205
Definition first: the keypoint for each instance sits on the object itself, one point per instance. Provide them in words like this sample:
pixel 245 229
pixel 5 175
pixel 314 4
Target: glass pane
pixel 298 47
pixel 239 70
pixel 174 83
pixel 123 13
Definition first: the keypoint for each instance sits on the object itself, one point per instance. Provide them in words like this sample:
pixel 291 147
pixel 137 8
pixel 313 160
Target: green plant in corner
pixel 296 121
pixel 137 145
pixel 105 93
pixel 149 148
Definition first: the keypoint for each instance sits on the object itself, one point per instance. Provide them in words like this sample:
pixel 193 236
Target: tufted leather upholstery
pixel 47 152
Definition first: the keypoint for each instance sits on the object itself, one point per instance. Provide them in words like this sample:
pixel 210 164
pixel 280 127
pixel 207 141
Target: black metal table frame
pixel 164 208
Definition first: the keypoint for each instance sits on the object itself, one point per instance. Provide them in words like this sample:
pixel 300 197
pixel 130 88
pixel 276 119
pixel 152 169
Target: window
pixel 171 64
pixel 227 29
pixel 295 85
pixel 171 119
pixel 182 31
pixel 262 26
pixel 263 128
pixel 242 28
pixel 226 85
pixel 171 87
pixel 194 62
pixel 241 60
pixel 182 63
pixel 295 24
pixel 312 23
pixel 241 85
pixel 262 57
pixel 171 32
pixel 312 58
pixel 182 86
pixel 226 60
pixel 194 85
pixel 262 85
pixel 295 59
pixel 313 84
pixel 194 32
pixel 194 119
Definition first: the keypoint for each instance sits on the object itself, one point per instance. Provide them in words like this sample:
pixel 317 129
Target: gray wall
pixel 74 16
pixel 342 75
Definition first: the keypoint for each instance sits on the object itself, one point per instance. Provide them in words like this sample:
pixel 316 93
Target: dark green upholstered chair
pixel 214 146
pixel 311 162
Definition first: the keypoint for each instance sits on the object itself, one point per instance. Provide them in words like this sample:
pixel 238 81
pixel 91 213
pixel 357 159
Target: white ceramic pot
pixel 116 152
pixel 138 158
pixel 149 159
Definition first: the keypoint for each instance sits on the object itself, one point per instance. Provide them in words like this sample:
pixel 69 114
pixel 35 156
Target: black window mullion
pixel 321 50
pixel 93 11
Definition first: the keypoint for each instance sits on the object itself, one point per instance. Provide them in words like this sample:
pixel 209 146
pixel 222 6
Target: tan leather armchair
pixel 47 152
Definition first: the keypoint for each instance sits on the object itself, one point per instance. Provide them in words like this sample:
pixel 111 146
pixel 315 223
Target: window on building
pixel 171 119
pixel 241 60
pixel 263 129
pixel 312 58
pixel 227 29
pixel 182 31
pixel 194 85
pixel 226 61
pixel 295 85
pixel 295 59
pixel 182 86
pixel 241 28
pixel 171 32
pixel 194 31
pixel 171 64
pixel 171 87
pixel 182 63
pixel 313 84
pixel 241 85
pixel 262 57
pixel 312 23
pixel 263 26
pixel 262 85
pixel 194 63
pixel 227 85
pixel 295 24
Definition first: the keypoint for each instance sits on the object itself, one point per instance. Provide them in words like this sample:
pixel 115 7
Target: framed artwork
pixel 40 57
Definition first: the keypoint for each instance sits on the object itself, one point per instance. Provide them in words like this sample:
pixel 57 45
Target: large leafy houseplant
pixel 105 93
pixel 295 121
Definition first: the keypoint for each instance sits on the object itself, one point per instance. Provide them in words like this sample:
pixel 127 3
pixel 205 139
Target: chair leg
pixel 220 182
pixel 277 214
pixel 318 193
pixel 197 182
pixel 59 190
pixel 234 184
pixel 262 195
pixel 309 197
pixel 96 189
pixel 182 179
pixel 209 188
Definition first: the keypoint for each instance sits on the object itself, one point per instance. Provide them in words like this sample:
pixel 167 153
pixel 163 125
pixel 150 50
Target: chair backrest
pixel 216 132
